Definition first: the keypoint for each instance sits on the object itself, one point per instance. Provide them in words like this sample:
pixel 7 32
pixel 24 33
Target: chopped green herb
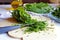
pixel 56 12
pixel 39 7
pixel 23 17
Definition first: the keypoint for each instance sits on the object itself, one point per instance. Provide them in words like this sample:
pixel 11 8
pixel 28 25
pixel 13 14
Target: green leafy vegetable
pixel 56 12
pixel 39 7
pixel 37 26
pixel 21 16
pixel 33 25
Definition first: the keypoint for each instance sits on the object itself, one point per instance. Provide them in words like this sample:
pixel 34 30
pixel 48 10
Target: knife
pixel 52 18
pixel 8 28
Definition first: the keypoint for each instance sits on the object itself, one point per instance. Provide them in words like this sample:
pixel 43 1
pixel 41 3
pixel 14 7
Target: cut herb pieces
pixel 37 26
pixel 23 17
pixel 56 12
pixel 20 15
pixel 39 7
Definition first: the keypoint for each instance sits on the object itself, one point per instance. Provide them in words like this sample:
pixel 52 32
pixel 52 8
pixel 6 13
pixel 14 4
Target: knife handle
pixel 8 28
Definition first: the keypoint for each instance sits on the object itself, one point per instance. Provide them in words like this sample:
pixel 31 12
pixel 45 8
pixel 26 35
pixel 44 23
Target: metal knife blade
pixel 8 28
pixel 52 18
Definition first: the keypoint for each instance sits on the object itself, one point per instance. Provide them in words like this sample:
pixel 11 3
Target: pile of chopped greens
pixel 39 7
pixel 23 17
pixel 37 26
pixel 56 12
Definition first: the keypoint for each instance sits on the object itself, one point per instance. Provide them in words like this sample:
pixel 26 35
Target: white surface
pixel 58 30
pixel 5 6
pixel 4 13
pixel 6 37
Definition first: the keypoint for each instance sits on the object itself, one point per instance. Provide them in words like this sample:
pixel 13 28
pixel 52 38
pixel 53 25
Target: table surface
pixel 5 36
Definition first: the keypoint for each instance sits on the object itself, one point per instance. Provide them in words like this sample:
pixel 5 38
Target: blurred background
pixel 28 1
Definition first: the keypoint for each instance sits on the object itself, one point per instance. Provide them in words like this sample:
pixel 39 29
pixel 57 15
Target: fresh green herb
pixel 23 17
pixel 37 26
pixel 56 12
pixel 39 7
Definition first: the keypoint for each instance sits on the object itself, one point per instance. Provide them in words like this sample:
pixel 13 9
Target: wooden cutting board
pixel 7 22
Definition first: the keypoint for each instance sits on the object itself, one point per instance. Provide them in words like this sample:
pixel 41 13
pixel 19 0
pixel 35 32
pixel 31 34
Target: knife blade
pixel 8 28
pixel 52 18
